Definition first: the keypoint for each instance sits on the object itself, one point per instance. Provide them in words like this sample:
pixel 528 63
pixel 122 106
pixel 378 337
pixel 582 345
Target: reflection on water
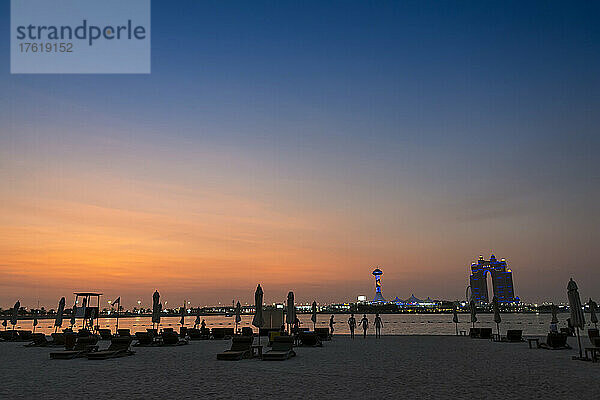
pixel 394 324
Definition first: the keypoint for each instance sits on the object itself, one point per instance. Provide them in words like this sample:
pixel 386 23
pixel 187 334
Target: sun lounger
pixel 247 331
pixel 272 336
pixel 241 347
pixel 514 335
pixel 58 339
pixel 308 338
pixel 83 346
pixel 218 333
pixel 594 352
pixel 593 333
pixel 229 332
pixel 323 333
pixel 119 347
pixel 194 334
pixel 10 335
pixel 555 341
pixel 282 349
pixel 38 340
pixel 105 334
pixel 485 333
pixel 171 338
pixel 475 333
pixel 15 335
pixel 144 339
pixel 123 332
pixel 568 331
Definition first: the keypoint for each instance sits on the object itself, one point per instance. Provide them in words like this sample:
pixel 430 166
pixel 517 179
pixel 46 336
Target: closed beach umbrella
pixel 313 317
pixel 59 314
pixel 554 315
pixel 258 320
pixel 15 314
pixel 497 318
pixel 290 316
pixel 238 315
pixel 593 310
pixel 473 313
pixel 455 318
pixel 156 309
pixel 182 320
pixel 577 317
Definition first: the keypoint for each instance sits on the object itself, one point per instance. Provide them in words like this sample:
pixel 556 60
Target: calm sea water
pixel 394 324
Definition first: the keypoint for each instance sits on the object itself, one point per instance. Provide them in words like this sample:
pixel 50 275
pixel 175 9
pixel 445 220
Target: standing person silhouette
pixel 365 325
pixel 331 323
pixel 378 324
pixel 296 331
pixel 352 325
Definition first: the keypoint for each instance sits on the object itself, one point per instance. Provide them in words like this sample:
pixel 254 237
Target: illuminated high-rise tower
pixel 378 296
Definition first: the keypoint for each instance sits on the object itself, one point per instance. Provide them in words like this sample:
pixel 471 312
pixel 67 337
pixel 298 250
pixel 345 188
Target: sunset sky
pixel 299 145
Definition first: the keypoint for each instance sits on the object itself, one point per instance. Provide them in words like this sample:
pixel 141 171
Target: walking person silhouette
pixel 378 325
pixel 331 323
pixel 365 325
pixel 352 325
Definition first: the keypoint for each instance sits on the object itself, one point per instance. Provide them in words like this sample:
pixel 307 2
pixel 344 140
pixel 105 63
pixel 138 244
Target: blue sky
pixel 423 130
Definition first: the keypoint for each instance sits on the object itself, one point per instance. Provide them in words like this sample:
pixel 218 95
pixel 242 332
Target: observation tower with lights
pixel 378 296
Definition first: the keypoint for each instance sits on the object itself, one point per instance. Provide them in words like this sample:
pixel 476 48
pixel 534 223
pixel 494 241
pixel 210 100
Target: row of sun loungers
pixel 167 337
pixel 76 347
pixel 215 333
pixel 85 346
pixel 241 348
pixel 15 335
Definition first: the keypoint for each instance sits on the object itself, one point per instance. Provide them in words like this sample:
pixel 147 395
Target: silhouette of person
pixel 378 324
pixel 352 325
pixel 296 330
pixel 364 322
pixel 331 323
pixel 203 325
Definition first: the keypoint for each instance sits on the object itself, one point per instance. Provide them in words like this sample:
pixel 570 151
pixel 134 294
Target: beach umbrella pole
pixel 579 343
pixel 456 329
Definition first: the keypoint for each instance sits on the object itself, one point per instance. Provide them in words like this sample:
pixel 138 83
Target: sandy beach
pixel 391 367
